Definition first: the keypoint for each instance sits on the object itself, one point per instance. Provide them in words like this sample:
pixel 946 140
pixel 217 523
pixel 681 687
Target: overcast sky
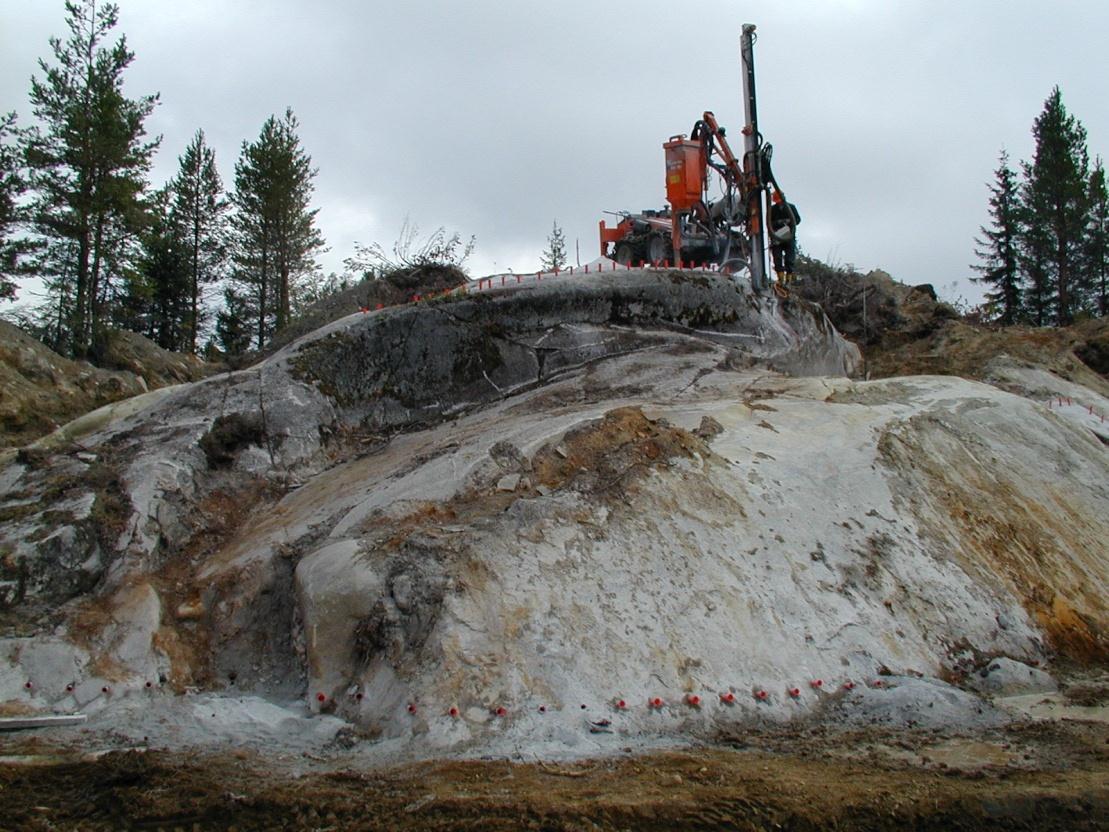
pixel 497 118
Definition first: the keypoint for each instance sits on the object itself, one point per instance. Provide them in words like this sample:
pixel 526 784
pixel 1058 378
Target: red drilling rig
pixel 694 229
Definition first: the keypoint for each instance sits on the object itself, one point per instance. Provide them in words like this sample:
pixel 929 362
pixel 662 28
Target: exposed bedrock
pixel 563 496
pixel 757 535
pixel 132 494
pixel 424 361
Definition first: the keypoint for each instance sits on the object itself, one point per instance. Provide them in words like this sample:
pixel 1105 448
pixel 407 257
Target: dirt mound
pixel 134 353
pixel 905 330
pixel 871 309
pixel 962 349
pixel 40 390
pixel 603 457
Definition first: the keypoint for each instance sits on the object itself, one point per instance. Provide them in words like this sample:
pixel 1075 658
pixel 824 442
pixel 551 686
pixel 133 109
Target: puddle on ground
pixel 959 753
pixel 1053 706
pixel 967 754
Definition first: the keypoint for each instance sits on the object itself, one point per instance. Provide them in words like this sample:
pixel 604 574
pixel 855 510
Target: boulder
pixel 1007 677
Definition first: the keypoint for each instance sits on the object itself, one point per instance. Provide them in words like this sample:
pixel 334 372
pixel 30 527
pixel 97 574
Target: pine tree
pixel 554 258
pixel 1097 243
pixel 1055 204
pixel 167 278
pixel 12 187
pixel 275 229
pixel 199 209
pixel 121 265
pixel 88 166
pixel 998 247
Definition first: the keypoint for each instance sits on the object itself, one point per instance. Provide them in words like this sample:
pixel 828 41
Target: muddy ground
pixel 1034 775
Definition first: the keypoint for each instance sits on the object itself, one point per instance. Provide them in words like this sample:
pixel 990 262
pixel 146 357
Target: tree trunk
pixel 263 282
pixel 95 307
pixel 78 313
pixel 1063 269
pixel 195 320
pixel 282 255
pixel 283 288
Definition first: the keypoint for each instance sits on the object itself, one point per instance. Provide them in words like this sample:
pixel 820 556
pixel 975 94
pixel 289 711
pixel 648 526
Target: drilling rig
pixel 696 229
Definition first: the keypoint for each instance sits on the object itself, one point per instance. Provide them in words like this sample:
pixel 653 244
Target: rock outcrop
pixel 471 522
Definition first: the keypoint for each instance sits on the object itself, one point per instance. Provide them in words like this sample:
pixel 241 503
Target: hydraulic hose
pixel 767 153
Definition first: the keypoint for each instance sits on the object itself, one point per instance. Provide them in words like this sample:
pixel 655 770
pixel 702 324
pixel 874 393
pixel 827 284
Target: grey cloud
pixel 496 118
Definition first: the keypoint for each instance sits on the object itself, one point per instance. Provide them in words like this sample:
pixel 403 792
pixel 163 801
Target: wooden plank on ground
pixel 15 723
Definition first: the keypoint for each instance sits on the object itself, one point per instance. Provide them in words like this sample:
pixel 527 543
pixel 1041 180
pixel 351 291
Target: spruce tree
pixel 1055 204
pixel 12 187
pixel 554 258
pixel 998 246
pixel 233 322
pixel 1039 305
pixel 276 239
pixel 199 209
pixel 88 163
pixel 1097 243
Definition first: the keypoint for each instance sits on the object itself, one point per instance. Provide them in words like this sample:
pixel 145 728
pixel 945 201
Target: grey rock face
pixel 419 363
pixel 918 703
pixel 1008 677
pixel 680 522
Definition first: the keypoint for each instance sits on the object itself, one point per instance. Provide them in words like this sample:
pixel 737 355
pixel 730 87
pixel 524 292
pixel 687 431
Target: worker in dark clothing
pixel 784 219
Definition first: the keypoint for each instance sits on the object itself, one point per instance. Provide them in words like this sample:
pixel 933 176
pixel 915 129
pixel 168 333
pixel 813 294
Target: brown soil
pixel 904 330
pixel 42 390
pixel 605 458
pixel 1033 777
pixel 606 454
pixel 963 349
pixel 1035 548
pixel 186 636
pixel 1088 690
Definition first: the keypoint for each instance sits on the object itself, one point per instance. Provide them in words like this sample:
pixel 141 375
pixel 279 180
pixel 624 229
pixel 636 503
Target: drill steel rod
pixel 752 163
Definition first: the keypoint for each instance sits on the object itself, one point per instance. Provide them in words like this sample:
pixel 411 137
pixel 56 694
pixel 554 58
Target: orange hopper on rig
pixel 685 172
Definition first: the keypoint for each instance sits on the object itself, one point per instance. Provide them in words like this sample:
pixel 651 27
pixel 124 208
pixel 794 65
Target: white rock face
pixel 830 530
pixel 596 515
pixel 1065 399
